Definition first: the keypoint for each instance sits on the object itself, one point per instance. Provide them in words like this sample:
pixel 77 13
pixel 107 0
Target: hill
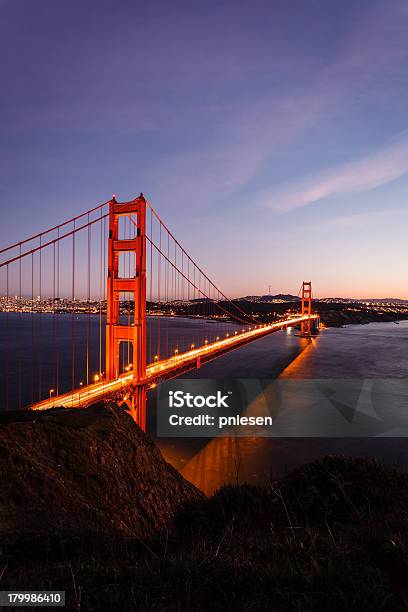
pixel 84 470
pixel 280 297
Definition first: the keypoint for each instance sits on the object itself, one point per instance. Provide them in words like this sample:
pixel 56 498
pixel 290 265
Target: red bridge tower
pixel 306 326
pixel 135 283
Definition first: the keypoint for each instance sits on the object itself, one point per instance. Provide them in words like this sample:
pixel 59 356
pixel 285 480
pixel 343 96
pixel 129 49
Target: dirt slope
pixel 84 469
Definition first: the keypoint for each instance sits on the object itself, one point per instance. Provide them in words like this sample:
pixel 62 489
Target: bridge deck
pixel 161 370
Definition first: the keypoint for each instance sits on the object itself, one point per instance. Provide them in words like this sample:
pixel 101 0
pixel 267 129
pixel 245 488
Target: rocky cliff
pixel 90 469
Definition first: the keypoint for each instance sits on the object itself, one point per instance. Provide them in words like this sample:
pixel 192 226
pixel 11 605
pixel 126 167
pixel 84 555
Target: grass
pixel 330 536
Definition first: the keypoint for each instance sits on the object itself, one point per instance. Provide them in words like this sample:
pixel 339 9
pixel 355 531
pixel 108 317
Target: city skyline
pixel 276 148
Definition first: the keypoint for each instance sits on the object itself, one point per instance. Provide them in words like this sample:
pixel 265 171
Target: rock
pixel 89 469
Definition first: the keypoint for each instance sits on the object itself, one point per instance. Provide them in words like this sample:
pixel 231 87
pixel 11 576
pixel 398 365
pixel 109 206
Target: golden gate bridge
pixel 118 264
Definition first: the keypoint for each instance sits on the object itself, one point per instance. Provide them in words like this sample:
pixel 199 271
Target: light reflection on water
pixel 378 350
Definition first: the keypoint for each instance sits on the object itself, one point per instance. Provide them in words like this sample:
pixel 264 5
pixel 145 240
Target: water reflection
pixel 375 350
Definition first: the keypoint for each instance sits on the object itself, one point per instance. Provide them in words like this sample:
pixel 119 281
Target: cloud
pixel 244 133
pixel 358 176
pixel 376 218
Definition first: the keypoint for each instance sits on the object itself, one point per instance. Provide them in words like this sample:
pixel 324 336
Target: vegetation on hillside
pixel 331 535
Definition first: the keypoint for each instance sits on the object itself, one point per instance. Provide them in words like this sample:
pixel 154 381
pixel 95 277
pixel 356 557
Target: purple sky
pixel 271 136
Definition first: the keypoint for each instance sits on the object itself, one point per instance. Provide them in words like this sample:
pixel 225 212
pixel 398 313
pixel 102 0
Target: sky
pixel 271 136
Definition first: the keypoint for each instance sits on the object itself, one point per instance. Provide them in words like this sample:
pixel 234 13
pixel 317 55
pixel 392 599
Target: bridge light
pixel 236 333
pixel 96 377
pixel 52 392
pixel 175 351
pixel 192 346
pixel 227 335
pixel 81 383
pixel 205 341
pixel 156 357
pixel 217 338
pixel 153 386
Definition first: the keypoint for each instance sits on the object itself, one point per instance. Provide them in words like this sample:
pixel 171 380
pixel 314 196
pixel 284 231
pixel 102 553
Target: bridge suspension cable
pixel 55 228
pixel 162 223
pixel 201 291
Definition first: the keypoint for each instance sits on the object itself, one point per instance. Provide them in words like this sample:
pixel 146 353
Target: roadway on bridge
pixel 167 368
